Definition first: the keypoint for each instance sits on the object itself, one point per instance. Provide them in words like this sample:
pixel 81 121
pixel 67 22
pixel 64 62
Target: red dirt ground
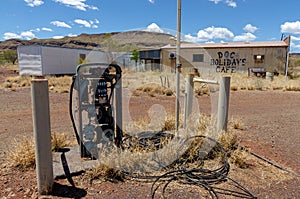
pixel 271 127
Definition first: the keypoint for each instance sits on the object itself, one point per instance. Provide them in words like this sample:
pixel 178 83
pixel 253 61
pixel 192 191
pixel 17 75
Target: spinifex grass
pixel 22 153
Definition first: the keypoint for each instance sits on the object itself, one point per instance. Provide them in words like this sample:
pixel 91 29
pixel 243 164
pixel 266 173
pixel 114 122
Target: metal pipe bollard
pixel 189 89
pixel 223 104
pixel 42 135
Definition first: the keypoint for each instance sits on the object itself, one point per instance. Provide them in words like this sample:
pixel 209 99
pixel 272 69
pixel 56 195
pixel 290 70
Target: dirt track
pixel 271 122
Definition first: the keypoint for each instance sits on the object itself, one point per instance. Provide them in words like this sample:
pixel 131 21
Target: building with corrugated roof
pixel 228 57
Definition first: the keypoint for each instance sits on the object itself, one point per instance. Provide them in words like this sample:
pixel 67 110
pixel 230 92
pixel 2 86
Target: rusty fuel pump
pixel 93 111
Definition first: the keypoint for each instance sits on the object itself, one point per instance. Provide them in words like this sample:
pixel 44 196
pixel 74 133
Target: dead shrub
pixel 22 155
pixel 169 123
pixel 59 84
pixel 202 91
pixel 239 157
pixel 204 122
pixel 236 123
pixel 229 140
pixel 155 89
pixel 14 82
pixel 59 141
pixel 168 92
pixel 234 87
pixel 105 173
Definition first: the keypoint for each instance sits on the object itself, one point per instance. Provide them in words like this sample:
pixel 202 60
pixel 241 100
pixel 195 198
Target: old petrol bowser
pixel 95 106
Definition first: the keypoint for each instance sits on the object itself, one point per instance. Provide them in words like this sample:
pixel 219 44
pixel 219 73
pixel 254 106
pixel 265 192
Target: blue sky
pixel 202 20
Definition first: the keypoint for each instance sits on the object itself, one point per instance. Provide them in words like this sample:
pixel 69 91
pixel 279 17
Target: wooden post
pixel 223 104
pixel 42 135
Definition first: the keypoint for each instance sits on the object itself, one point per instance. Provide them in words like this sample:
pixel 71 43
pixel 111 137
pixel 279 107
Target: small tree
pixel 135 56
pixel 10 56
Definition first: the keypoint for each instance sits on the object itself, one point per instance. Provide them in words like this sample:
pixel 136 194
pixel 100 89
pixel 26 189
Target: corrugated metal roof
pixel 231 45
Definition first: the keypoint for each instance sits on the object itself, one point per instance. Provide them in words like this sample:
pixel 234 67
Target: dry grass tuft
pixel 15 82
pixel 234 87
pixel 239 157
pixel 59 141
pixel 22 155
pixel 229 140
pixel 236 123
pixel 201 89
pixel 204 122
pixel 59 84
pixel 105 173
pixel 169 124
pixel 155 89
pixel 243 82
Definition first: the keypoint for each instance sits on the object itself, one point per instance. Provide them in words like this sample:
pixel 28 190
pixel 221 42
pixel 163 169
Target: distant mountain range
pixel 115 41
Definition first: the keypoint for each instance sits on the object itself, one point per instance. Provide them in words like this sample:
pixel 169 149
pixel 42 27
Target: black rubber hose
pixel 71 109
pixel 79 141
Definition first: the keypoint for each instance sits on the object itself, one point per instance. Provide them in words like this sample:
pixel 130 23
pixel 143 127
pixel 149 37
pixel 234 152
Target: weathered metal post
pixel 178 65
pixel 118 114
pixel 189 91
pixel 223 104
pixel 42 135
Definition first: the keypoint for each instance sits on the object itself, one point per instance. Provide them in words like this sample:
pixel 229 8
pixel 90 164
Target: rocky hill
pixel 118 40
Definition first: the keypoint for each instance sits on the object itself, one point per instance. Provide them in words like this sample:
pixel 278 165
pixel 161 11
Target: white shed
pixel 45 60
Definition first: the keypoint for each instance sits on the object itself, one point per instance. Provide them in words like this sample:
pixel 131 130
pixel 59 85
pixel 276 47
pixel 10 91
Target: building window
pixel 259 58
pixel 82 56
pixel 198 57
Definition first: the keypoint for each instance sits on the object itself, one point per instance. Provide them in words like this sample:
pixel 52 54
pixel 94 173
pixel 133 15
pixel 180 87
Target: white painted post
pixel 223 104
pixel 42 135
pixel 189 89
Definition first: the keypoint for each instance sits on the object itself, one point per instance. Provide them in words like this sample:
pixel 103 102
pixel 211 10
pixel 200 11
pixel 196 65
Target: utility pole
pixel 178 65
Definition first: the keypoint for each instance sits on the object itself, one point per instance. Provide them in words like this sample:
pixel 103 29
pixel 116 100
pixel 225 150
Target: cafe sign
pixel 227 62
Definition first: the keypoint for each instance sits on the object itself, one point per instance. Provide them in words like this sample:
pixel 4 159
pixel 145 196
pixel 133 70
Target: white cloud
pixel 77 4
pixel 230 3
pixel 60 24
pixel 47 29
pixel 72 35
pixel 58 37
pixel 190 38
pixel 11 35
pixel 295 44
pixel 83 22
pixel 87 24
pixel 152 1
pixel 154 28
pixel 33 3
pixel 214 33
pixel 295 38
pixel 250 28
pixel 215 1
pixel 24 35
pixel 291 27
pixel 28 35
pixel 245 37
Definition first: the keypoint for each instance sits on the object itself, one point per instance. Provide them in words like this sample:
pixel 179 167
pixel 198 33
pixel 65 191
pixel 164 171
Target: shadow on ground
pixel 66 191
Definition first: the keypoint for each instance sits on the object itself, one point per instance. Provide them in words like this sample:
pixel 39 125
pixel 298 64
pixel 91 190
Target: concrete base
pixel 68 162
